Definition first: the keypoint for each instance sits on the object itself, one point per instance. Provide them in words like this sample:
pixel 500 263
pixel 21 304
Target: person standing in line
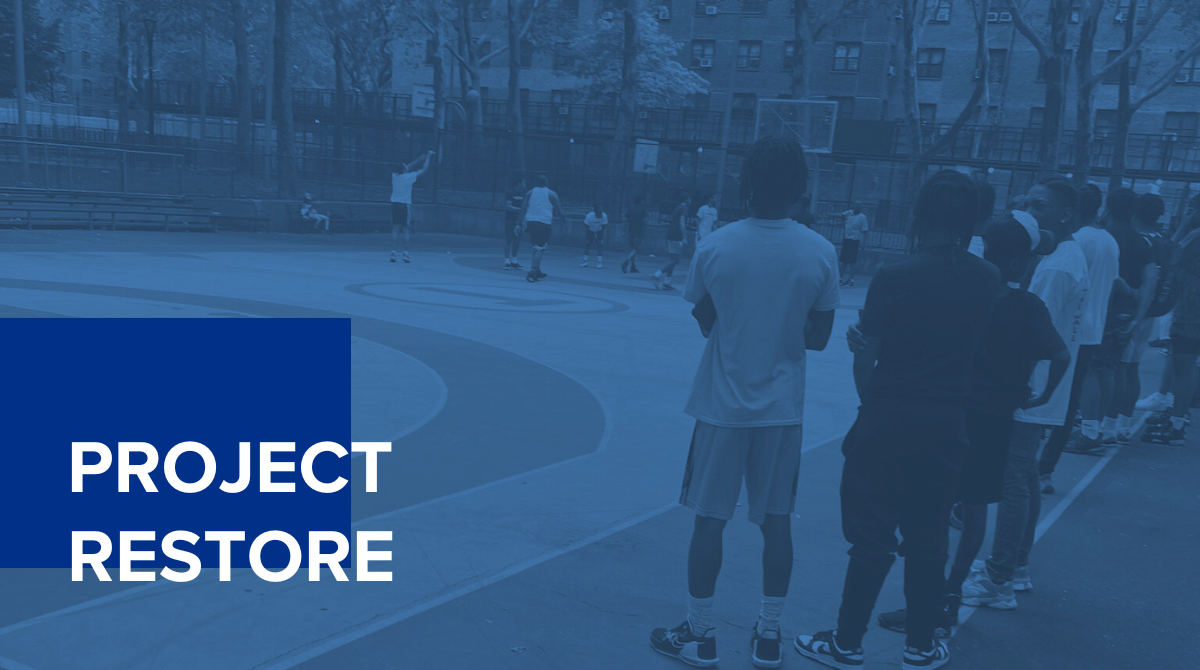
pixel 770 289
pixel 1061 281
pixel 595 221
pixel 403 178
pixel 512 227
pixel 987 205
pixel 1019 335
pixel 635 218
pixel 925 318
pixel 676 224
pixel 538 211
pixel 1091 385
pixel 856 225
pixel 1131 300
pixel 706 218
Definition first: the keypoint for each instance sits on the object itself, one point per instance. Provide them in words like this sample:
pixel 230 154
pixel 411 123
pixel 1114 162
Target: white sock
pixel 771 613
pixel 700 615
pixel 1124 424
pixel 1109 425
pixel 1091 429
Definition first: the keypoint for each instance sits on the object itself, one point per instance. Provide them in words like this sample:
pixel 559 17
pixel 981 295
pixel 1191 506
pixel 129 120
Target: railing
pixel 65 167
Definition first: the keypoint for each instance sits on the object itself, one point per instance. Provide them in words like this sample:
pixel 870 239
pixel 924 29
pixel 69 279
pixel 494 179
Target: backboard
pixel 811 122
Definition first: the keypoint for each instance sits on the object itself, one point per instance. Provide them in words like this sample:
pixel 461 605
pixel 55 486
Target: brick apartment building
pixel 744 49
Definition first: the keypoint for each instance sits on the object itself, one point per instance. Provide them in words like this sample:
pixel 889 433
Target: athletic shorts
pixel 400 214
pixel 1115 342
pixel 849 252
pixel 539 233
pixel 766 458
pixel 1139 342
pixel 674 246
pixel 595 236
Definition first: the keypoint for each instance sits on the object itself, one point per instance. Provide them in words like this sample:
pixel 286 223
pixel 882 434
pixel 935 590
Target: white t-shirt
pixel 856 225
pixel 764 278
pixel 976 247
pixel 1103 256
pixel 707 216
pixel 595 223
pixel 402 186
pixel 538 205
pixel 1061 281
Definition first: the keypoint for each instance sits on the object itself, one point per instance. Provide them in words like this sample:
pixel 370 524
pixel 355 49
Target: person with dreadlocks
pixel 1061 281
pixel 765 290
pixel 924 318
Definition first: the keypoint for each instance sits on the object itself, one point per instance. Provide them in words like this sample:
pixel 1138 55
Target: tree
pixel 243 86
pixel 285 124
pixel 659 79
pixel 1052 53
pixel 41 48
pixel 810 21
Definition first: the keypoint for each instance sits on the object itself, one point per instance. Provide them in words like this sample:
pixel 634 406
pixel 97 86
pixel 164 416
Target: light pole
pixel 150 24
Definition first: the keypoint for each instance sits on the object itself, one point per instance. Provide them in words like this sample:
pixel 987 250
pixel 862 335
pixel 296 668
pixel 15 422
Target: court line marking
pixel 9 664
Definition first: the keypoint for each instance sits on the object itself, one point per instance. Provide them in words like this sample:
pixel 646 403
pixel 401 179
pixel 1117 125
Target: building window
pixel 929 63
pixel 526 54
pixel 845 56
pixel 700 101
pixel 85 59
pixel 789 56
pixel 845 109
pixel 997 58
pixel 1189 73
pixel 485 48
pixel 749 55
pixel 1106 120
pixel 430 51
pixel 754 6
pixel 1036 116
pixel 1067 59
pixel 706 7
pixel 939 10
pixel 744 105
pixel 1184 124
pixel 480 10
pixel 1113 76
pixel 1143 12
pixel 702 53
pixel 87 87
pixel 564 57
pixel 928 113
pixel 483 92
pixel 524 95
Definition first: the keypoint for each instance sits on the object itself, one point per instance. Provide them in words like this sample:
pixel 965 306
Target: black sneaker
pixel 822 649
pixel 508 266
pixel 765 648
pixel 539 274
pixel 624 266
pixel 679 642
pixel 1168 435
pixel 1158 419
pixel 1088 446
pixel 898 620
pixel 531 276
pixel 915 659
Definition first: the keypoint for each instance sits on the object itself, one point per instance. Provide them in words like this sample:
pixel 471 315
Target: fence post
pixel 71 174
pixel 124 171
pixel 46 163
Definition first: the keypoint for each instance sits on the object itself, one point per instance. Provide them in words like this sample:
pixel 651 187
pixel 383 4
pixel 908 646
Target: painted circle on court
pixel 526 298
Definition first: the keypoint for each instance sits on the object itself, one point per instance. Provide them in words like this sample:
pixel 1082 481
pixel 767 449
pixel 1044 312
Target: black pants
pixel 1059 434
pixel 902 460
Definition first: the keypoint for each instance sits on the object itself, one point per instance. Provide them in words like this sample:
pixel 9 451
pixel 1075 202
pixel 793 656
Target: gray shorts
pixel 767 458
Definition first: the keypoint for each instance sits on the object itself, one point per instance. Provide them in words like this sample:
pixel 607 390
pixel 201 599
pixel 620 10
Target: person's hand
pixel 518 230
pixel 1035 400
pixel 855 339
pixel 1129 327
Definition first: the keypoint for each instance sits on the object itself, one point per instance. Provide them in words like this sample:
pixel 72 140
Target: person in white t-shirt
pixel 1061 281
pixel 537 215
pixel 856 225
pixel 308 211
pixel 765 290
pixel 403 178
pixel 706 218
pixel 595 221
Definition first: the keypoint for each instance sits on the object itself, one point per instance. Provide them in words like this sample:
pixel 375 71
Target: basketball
pixel 473 94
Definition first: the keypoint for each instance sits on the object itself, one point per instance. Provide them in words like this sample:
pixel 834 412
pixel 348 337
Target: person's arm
pixel 510 206
pixel 817 329
pixel 524 207
pixel 1146 293
pixel 864 364
pixel 1058 369
pixel 557 207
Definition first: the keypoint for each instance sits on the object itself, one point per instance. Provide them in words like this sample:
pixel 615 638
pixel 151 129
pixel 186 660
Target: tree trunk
pixel 1124 111
pixel 244 92
pixel 516 132
pixel 912 111
pixel 800 51
pixel 626 104
pixel 1055 69
pixel 285 124
pixel 1083 104
pixel 122 83
pixel 339 95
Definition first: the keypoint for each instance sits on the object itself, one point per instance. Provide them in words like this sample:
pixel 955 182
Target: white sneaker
pixel 583 264
pixel 1156 402
pixel 1021 580
pixel 600 264
pixel 980 591
pixel 658 279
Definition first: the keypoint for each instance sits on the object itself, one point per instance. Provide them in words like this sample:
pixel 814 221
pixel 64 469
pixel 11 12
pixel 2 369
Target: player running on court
pixel 403 178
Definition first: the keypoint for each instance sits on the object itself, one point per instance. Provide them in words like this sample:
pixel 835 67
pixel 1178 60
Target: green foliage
pixel 41 48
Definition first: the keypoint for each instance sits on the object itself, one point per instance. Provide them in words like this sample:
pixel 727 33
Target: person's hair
pixel 774 175
pixel 1089 202
pixel 543 180
pixel 1121 204
pixel 1149 208
pixel 1062 188
pixel 948 201
pixel 987 200
pixel 596 207
pixel 401 168
pixel 1005 241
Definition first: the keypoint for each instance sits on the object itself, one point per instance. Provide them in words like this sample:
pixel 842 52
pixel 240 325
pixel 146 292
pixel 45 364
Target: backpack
pixel 1166 292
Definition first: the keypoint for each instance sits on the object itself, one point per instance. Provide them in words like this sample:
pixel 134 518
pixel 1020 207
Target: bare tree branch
pixel 1138 38
pixel 1167 77
pixel 1028 33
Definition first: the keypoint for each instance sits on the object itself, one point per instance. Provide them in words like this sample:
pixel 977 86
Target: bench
pixel 89 215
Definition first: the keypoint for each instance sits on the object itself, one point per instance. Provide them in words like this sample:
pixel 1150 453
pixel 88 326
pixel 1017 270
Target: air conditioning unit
pixel 1182 78
pixel 993 17
pixel 1005 17
pixel 607 16
pixel 643 114
pixel 942 16
pixel 1122 17
pixel 706 63
pixel 711 10
pixel 664 14
pixel 1170 136
pixel 563 111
